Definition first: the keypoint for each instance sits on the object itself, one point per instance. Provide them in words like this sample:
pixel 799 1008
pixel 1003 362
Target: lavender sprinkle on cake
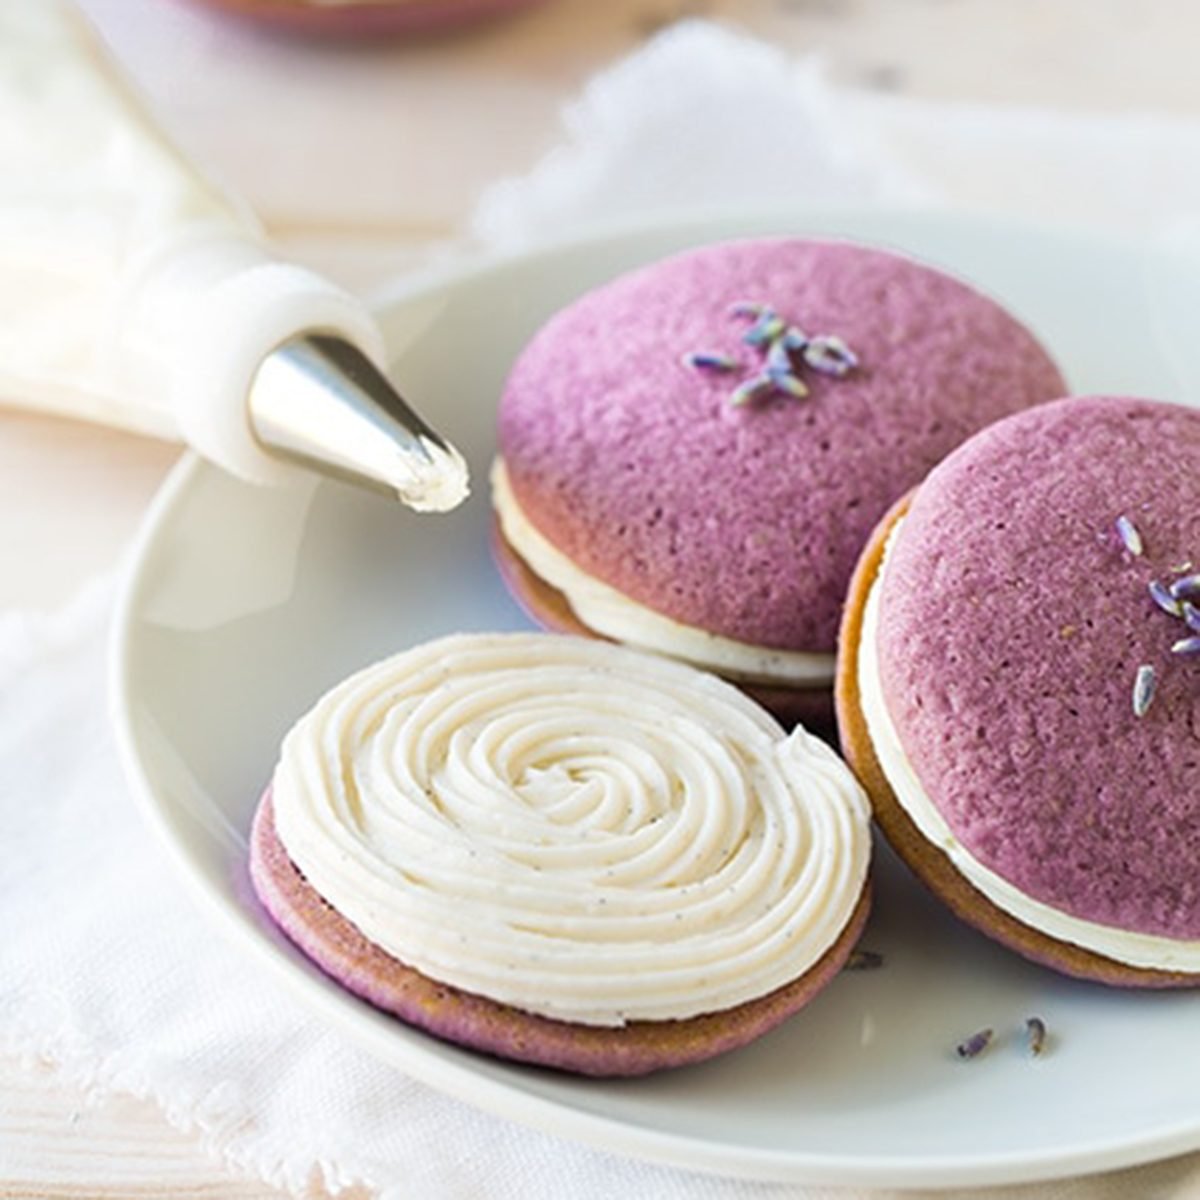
pixel 750 390
pixel 1161 595
pixel 1186 588
pixel 788 384
pixel 765 330
pixel 830 355
pixel 1130 538
pixel 787 347
pixel 779 357
pixel 703 361
pixel 1144 684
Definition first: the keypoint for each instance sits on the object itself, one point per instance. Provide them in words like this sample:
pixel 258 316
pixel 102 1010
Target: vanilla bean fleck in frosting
pixel 573 828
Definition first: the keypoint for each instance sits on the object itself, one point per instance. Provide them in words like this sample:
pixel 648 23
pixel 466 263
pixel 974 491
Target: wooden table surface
pixel 422 127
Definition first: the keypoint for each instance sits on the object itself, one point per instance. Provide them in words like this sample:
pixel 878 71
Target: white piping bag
pixel 134 293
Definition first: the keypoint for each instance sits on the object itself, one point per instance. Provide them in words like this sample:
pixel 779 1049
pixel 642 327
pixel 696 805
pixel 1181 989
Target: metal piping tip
pixel 319 400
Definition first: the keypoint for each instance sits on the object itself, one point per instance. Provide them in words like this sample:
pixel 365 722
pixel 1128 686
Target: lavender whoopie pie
pixel 1019 686
pixel 563 852
pixel 692 456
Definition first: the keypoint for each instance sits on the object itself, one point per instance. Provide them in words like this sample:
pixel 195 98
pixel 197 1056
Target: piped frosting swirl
pixel 573 828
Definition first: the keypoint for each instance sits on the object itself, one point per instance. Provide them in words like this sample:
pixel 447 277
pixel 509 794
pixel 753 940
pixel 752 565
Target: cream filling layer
pixel 573 828
pixel 607 611
pixel 1134 949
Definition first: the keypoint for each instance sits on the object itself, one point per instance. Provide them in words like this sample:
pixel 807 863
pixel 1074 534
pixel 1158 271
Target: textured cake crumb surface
pixel 1013 623
pixel 746 521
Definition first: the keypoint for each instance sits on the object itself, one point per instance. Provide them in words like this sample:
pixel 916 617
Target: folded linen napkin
pixel 713 120
pixel 109 968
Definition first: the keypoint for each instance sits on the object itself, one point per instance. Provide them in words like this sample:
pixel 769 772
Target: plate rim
pixel 480 1089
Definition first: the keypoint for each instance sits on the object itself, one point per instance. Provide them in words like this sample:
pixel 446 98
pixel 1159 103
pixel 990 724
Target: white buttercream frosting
pixel 607 611
pixel 573 828
pixel 1134 949
pixel 436 486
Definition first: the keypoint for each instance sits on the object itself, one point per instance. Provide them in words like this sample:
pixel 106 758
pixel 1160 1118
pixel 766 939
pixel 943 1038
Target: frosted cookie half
pixel 563 852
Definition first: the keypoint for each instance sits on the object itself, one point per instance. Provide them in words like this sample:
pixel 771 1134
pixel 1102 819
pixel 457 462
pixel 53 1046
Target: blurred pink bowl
pixel 365 17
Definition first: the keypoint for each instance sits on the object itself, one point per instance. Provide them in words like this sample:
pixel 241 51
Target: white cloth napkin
pixel 106 964
pixel 710 119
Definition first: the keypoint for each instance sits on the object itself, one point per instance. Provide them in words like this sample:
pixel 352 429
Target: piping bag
pixel 135 293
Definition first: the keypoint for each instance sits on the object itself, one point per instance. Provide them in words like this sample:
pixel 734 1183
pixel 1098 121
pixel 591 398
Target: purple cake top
pixel 1035 681
pixel 634 458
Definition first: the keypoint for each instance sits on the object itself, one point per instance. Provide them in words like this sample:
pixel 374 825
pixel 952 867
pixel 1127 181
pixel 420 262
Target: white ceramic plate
pixel 245 604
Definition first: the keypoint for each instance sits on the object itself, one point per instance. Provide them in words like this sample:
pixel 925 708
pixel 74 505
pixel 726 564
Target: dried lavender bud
pixel 1144 683
pixel 779 358
pixel 1191 614
pixel 1186 588
pixel 1130 538
pixel 975 1045
pixel 750 390
pixel 830 355
pixel 1161 595
pixel 765 330
pixel 1187 646
pixel 788 384
pixel 787 348
pixel 1035 1035
pixel 703 361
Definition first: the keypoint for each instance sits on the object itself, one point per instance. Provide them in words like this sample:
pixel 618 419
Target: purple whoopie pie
pixel 692 456
pixel 1019 687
